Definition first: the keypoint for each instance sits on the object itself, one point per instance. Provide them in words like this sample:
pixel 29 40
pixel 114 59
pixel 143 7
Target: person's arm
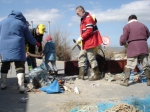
pixel 29 38
pixel 124 37
pixel 40 41
pixel 89 28
pixel 46 49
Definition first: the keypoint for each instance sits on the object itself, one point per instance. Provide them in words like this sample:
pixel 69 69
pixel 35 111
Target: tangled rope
pixel 122 108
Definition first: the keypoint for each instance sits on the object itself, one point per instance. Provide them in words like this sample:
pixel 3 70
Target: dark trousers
pixel 31 61
pixel 19 66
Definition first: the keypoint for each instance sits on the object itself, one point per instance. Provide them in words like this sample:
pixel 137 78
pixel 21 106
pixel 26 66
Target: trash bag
pixel 39 76
pixel 52 88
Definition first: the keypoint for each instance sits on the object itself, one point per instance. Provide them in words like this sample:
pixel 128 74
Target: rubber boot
pixel 29 68
pixel 126 78
pixel 96 75
pixel 147 74
pixel 81 73
pixel 20 77
pixel 3 80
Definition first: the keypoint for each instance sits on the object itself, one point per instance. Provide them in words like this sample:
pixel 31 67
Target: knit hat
pixel 48 38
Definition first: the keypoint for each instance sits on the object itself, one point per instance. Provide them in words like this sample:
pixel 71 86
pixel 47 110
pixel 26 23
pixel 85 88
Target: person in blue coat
pixel 50 55
pixel 13 33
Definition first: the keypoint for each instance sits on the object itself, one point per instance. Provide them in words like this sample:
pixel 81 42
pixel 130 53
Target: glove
pixel 79 40
pixel 38 44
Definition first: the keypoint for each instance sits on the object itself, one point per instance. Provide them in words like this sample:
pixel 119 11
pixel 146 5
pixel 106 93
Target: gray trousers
pixel 89 53
pixel 132 62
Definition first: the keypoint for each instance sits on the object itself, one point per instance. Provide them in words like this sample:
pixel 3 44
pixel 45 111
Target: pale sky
pixel 112 15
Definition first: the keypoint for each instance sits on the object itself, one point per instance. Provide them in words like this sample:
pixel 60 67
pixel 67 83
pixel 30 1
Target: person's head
pixel 80 11
pixel 132 17
pixel 40 29
pixel 48 38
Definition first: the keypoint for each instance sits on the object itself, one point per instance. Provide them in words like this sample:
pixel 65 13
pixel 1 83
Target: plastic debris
pixel 23 100
pixel 76 90
pixel 67 88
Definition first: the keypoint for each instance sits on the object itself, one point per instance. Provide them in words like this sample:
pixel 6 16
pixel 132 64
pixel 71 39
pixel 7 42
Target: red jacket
pixel 89 32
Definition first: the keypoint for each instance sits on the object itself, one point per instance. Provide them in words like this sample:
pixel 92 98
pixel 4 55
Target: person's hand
pixel 79 40
pixel 27 54
pixel 38 44
pixel 41 52
pixel 125 45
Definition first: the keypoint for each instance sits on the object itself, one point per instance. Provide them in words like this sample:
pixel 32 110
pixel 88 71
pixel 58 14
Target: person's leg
pixel 4 71
pixel 140 68
pixel 145 65
pixel 132 72
pixel 20 74
pixel 53 63
pixel 86 66
pixel 29 64
pixel 33 62
pixel 94 65
pixel 131 64
pixel 47 66
pixel 81 63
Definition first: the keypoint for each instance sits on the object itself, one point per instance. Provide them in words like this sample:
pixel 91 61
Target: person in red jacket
pixel 90 38
pixel 135 35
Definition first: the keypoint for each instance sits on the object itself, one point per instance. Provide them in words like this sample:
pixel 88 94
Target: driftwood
pixel 34 55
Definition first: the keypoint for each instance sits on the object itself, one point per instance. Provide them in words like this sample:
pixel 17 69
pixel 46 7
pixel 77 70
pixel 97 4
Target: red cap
pixel 48 38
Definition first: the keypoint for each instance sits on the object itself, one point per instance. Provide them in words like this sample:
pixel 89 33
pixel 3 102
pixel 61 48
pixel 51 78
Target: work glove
pixel 79 40
pixel 38 44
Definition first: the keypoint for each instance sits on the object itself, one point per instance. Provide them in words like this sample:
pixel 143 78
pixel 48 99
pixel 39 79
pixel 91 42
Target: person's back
pixel 136 34
pixel 50 51
pixel 13 32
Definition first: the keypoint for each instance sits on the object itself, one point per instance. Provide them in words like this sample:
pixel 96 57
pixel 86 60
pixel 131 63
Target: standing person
pixel 136 34
pixel 90 37
pixel 13 32
pixel 38 35
pixel 50 54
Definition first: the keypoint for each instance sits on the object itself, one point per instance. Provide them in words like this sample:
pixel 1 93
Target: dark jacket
pixel 136 35
pixel 13 33
pixel 38 38
pixel 50 51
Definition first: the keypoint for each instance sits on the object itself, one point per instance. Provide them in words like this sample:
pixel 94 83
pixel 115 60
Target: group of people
pixel 15 35
pixel 135 35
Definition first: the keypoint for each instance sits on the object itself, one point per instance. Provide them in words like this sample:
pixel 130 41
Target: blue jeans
pixel 31 61
pixel 53 63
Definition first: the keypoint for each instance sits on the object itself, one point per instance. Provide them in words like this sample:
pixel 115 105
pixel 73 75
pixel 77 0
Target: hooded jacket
pixel 50 51
pixel 13 32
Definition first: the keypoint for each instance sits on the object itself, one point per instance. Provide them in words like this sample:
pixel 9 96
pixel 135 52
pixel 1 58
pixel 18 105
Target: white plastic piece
pixel 76 90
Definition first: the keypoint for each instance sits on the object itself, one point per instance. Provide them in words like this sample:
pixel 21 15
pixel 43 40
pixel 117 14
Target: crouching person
pixel 13 33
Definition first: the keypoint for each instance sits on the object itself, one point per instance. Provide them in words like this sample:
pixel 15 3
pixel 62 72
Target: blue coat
pixel 13 32
pixel 50 51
